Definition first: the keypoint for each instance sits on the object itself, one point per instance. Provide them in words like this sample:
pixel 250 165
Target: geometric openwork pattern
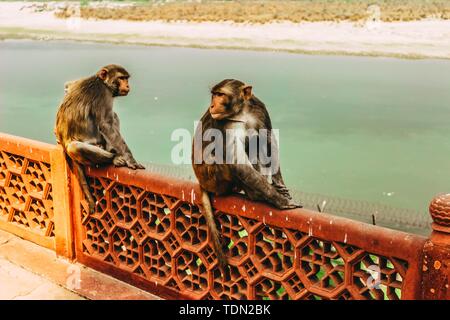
pixel 165 241
pixel 26 194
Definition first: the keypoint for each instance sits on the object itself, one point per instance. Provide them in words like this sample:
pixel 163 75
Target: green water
pixel 373 129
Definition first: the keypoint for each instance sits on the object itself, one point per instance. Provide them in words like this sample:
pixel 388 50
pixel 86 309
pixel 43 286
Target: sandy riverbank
pixel 415 39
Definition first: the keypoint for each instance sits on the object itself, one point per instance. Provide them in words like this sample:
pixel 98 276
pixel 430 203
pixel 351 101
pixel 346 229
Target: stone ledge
pixel 50 277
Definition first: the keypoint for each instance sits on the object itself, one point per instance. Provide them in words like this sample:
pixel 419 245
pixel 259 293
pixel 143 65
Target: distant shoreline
pixel 38 36
pixel 412 40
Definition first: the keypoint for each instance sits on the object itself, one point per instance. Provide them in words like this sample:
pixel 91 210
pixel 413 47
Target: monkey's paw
pixel 284 191
pixel 134 165
pixel 291 205
pixel 119 161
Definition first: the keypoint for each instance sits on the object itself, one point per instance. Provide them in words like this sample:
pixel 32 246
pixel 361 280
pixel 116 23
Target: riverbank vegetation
pixel 263 11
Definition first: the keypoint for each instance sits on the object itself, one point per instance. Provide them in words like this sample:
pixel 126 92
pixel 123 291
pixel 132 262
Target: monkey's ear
pixel 102 74
pixel 247 91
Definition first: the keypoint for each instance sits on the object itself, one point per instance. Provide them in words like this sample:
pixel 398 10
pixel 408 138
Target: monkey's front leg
pixel 258 188
pixel 115 143
pixel 277 179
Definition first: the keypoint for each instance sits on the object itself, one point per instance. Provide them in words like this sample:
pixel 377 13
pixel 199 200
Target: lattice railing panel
pixel 164 241
pixel 26 198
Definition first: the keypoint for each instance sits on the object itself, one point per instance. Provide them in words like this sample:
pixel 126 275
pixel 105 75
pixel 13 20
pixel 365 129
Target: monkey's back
pixel 75 119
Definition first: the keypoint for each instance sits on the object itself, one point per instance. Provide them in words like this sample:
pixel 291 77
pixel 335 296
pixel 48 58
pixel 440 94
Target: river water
pixel 373 130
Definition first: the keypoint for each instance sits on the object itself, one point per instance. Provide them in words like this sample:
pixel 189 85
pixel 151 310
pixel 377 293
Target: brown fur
pixel 233 102
pixel 87 127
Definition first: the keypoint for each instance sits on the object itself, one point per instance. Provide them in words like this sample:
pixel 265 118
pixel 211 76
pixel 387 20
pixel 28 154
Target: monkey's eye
pixel 218 94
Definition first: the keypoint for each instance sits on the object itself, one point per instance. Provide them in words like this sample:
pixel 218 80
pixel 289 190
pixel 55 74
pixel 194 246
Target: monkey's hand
pixel 290 204
pixel 283 190
pixel 120 161
pixel 140 166
pixel 125 161
pixel 133 164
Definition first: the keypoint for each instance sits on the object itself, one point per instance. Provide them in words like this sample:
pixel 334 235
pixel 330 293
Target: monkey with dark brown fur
pixel 233 106
pixel 87 127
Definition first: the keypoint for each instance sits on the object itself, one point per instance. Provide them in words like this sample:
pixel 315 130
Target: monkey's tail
pixel 84 185
pixel 215 236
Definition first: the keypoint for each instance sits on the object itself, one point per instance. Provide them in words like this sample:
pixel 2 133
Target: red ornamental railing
pixel 33 193
pixel 147 230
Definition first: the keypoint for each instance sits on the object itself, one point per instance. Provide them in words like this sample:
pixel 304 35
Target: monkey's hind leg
pixel 88 154
pixel 215 236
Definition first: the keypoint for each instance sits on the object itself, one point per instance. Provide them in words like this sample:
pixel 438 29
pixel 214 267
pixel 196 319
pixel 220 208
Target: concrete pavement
pixel 28 271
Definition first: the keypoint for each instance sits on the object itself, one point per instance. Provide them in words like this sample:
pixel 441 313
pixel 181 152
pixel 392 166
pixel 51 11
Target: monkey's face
pixel 116 79
pixel 122 86
pixel 228 101
pixel 221 106
pixel 118 84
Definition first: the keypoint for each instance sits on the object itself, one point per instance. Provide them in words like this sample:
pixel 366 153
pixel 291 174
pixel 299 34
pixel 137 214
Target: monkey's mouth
pixel 219 115
pixel 216 116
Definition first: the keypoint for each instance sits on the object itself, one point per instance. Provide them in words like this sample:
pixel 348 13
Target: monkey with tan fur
pixel 87 127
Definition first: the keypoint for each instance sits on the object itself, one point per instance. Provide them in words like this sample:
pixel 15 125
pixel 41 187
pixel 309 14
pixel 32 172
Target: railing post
pixel 436 254
pixel 62 206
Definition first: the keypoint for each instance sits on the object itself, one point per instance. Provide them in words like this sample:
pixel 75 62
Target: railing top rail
pixel 32 149
pixel 376 239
